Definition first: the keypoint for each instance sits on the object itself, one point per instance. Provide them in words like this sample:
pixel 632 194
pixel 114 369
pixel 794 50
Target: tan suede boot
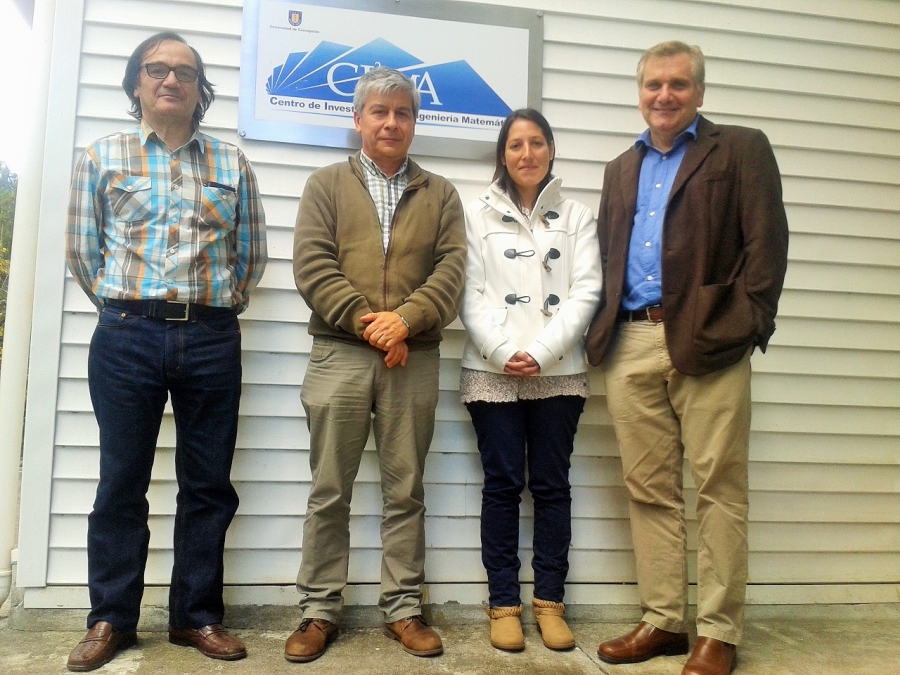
pixel 506 628
pixel 551 624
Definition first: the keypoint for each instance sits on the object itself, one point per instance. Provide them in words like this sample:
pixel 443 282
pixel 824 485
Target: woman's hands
pixel 521 364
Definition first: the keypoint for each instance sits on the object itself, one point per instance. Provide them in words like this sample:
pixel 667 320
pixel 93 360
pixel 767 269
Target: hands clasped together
pixel 522 364
pixel 387 332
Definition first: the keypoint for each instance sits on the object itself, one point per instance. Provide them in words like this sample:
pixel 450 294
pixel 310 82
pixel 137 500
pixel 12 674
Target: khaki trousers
pixel 347 389
pixel 660 418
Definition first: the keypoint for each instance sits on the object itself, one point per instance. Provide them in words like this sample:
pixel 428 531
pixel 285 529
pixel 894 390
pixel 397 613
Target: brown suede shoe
pixel 99 646
pixel 506 628
pixel 212 641
pixel 643 643
pixel 415 636
pixel 551 622
pixel 309 641
pixel 711 657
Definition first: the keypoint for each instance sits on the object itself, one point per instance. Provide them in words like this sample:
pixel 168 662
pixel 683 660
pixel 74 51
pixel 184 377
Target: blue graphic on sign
pixel 329 72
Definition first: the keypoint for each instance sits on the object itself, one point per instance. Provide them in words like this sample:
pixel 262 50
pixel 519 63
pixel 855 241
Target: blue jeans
pixel 134 363
pixel 540 435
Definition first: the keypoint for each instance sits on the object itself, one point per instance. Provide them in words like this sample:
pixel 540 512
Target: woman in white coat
pixel 532 286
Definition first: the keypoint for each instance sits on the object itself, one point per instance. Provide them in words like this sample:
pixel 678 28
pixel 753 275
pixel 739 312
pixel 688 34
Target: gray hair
pixel 674 48
pixel 381 81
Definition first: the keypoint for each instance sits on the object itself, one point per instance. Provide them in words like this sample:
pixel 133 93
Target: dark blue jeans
pixel 134 364
pixel 539 435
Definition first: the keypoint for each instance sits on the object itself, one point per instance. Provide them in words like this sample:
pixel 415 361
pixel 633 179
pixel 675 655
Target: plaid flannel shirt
pixel 386 193
pixel 147 223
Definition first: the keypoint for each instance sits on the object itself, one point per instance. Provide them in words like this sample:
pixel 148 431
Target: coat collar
pixel 707 139
pixel 697 150
pixel 415 175
pixel 545 207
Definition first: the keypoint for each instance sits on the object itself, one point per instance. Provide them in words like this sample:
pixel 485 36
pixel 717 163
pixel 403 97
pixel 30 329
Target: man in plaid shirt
pixel 166 235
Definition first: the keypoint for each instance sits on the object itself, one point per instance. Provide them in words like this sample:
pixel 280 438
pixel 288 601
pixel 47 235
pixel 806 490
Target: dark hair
pixel 501 173
pixel 133 75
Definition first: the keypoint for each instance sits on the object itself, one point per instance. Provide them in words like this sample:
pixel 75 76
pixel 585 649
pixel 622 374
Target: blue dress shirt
pixel 643 274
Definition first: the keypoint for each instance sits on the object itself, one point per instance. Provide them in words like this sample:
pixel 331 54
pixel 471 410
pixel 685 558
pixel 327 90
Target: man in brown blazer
pixel 693 239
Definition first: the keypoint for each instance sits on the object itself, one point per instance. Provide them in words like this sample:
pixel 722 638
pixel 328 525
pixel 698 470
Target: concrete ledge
pixel 285 617
pixel 281 618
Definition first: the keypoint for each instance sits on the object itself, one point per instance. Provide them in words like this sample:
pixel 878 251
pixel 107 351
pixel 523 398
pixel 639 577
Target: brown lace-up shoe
pixel 99 646
pixel 643 643
pixel 212 641
pixel 415 636
pixel 711 657
pixel 310 640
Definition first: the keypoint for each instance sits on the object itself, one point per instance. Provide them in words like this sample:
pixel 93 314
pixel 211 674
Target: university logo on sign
pixel 329 72
pixel 295 17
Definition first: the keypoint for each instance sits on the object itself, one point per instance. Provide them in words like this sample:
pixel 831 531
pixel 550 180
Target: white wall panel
pixel 821 79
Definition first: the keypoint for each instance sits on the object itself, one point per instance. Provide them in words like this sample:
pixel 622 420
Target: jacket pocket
pixel 724 318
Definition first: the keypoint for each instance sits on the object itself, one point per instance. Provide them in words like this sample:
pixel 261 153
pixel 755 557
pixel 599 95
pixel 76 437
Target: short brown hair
pixel 674 48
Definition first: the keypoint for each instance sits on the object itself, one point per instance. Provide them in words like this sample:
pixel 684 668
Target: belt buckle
pixel 187 311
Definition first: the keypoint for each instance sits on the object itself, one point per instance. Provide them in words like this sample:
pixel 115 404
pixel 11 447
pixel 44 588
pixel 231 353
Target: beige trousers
pixel 346 391
pixel 661 417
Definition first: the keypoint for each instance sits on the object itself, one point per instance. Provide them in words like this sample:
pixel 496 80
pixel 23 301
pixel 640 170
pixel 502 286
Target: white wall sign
pixel 472 64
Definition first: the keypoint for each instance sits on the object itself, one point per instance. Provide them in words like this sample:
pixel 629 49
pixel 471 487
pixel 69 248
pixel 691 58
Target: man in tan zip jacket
pixel 379 257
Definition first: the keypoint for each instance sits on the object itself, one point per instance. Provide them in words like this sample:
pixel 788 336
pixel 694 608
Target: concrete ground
pixel 840 640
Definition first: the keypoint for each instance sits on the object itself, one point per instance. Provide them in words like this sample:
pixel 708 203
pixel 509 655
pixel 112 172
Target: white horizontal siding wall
pixel 821 79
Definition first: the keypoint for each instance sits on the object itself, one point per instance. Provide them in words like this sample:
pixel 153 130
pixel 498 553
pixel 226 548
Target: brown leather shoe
pixel 310 640
pixel 415 636
pixel 212 641
pixel 99 646
pixel 643 643
pixel 711 657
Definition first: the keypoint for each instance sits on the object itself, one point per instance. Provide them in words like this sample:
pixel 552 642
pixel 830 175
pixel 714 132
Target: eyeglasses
pixel 160 71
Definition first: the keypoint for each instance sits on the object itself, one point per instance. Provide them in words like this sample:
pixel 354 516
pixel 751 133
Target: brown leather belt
pixel 653 313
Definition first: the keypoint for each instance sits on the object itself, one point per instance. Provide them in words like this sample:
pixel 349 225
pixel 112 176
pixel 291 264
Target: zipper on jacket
pixel 384 268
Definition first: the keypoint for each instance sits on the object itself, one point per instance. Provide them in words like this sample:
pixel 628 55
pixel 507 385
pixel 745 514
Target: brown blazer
pixel 725 241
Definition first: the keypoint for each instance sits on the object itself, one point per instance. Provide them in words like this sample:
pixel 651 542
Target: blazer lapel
pixel 696 152
pixel 631 174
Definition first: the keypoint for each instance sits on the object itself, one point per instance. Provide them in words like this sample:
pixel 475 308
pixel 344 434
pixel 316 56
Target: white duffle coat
pixel 513 301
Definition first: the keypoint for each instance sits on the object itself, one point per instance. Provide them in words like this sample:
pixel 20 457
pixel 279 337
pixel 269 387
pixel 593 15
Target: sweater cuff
pixel 412 318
